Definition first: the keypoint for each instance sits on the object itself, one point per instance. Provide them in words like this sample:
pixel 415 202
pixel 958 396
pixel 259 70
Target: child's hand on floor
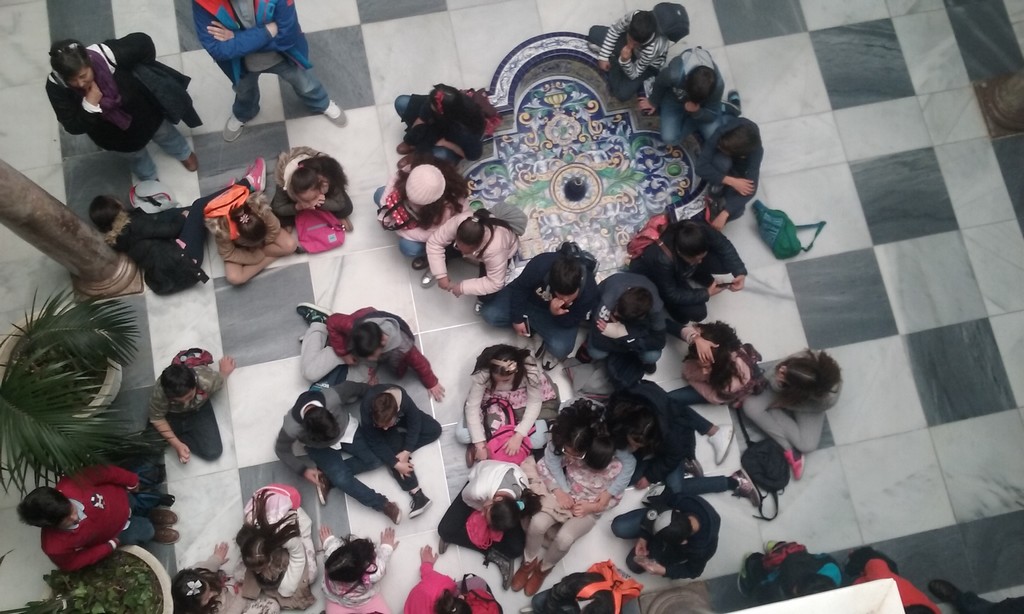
pixel 387 536
pixel 325 532
pixel 427 555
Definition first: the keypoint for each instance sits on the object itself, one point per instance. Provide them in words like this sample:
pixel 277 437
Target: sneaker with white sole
pixel 746 488
pixel 428 280
pixel 256 175
pixel 312 314
pixel 336 114
pixel 233 128
pixel 720 441
pixel 420 503
pixel 393 512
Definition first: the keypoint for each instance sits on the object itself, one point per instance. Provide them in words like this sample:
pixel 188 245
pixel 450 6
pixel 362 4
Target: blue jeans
pixel 342 472
pixel 687 395
pixel 677 123
pixel 627 526
pixel 305 84
pixel 193 233
pixel 169 140
pixel 139 531
pixel 558 340
pixel 648 357
pixel 198 430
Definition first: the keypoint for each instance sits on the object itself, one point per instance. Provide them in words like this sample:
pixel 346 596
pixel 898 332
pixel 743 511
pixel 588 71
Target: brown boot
pixel 404 148
pixel 523 574
pixel 536 581
pixel 166 535
pixel 162 518
pixel 191 163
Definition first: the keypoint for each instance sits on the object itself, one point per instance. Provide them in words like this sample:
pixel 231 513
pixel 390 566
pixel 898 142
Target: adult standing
pixel 247 39
pixel 94 91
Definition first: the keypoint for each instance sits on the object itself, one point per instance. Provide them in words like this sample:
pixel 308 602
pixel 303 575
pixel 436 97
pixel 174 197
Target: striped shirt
pixel 651 55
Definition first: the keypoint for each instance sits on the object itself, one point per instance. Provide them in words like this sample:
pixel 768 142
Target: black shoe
pixel 504 566
pixel 692 466
pixel 944 590
pixel 419 263
pixel 650 367
pixel 733 98
pixel 583 355
pixel 420 503
pixel 312 314
pixel 442 546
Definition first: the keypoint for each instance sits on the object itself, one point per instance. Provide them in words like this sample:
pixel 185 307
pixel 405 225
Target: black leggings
pixel 452 529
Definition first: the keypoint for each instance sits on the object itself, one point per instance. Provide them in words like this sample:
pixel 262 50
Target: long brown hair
pixel 259 538
pixel 809 376
pixel 456 189
pixel 723 369
pixel 502 353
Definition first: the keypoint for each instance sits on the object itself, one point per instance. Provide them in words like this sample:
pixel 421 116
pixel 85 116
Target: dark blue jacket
pixel 532 286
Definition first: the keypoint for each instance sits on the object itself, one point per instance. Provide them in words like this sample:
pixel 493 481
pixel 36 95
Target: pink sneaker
pixel 796 463
pixel 256 174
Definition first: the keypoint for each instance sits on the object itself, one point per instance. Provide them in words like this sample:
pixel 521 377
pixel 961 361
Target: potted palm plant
pixel 59 371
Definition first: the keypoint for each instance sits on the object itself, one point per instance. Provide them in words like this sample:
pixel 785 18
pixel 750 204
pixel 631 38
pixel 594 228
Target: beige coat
pixel 230 251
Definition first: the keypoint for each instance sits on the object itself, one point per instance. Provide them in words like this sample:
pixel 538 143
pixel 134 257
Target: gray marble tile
pixel 134 406
pixel 339 60
pixel 186 26
pixel 986 38
pixel 258 322
pixel 139 372
pixel 1009 334
pixel 930 49
pixel 375 10
pixel 453 454
pixel 862 63
pixel 89 21
pixel 906 7
pixel 903 196
pixel 748 20
pixel 829 13
pixel 988 481
pixel 841 299
pixel 223 162
pixel 76 144
pixel 334 514
pixel 959 372
pixel 1009 153
pixel 88 176
pixel 995 551
pixel 725 597
pixel 166 554
pixel 940 553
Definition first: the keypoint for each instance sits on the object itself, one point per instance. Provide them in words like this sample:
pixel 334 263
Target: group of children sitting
pixel 540 476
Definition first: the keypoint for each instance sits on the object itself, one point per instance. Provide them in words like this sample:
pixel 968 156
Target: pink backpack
pixel 318 230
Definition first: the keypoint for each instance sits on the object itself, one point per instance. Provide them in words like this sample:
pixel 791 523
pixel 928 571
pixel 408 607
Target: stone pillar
pixel 1002 103
pixel 52 228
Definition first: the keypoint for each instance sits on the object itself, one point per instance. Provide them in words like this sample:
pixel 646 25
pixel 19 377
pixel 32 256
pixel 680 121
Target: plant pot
pixel 161 575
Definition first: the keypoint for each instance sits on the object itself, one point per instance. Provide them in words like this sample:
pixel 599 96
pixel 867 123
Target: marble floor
pixel 916 285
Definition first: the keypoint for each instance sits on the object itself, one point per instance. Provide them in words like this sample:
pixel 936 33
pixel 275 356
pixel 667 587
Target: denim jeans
pixel 620 85
pixel 305 84
pixel 395 440
pixel 169 140
pixel 558 340
pixel 687 395
pixel 139 531
pixel 342 472
pixel 193 233
pixel 677 123
pixel 198 430
pixel 648 357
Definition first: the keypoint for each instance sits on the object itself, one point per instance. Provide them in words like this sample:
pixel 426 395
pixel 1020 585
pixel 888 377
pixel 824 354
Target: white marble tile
pixel 367 233
pixel 201 525
pixel 930 49
pixel 439 309
pixel 1009 333
pixel 260 397
pixel 817 509
pixel 704 28
pixel 576 17
pixel 197 466
pixel 23 569
pixel 800 194
pixel 22 279
pixel 778 78
pixel 882 128
pixel 393 131
pixel 154 17
pixel 983 480
pixel 403 570
pixel 879 397
pixel 26 52
pixel 357 147
pixel 28 119
pixel 906 7
pixel 397 62
pixel 997 255
pixel 1015 10
pixel 461 4
pixel 212 94
pixel 821 14
pixel 764 313
pixel 183 320
pixel 953 115
pixel 800 143
pixel 430 473
pixel 974 182
pixel 930 282
pixel 896 486
pixel 481 46
pixel 316 15
pixel 454 367
pixel 380 275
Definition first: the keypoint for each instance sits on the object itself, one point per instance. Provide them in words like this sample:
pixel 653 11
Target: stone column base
pixel 1002 104
pixel 126 279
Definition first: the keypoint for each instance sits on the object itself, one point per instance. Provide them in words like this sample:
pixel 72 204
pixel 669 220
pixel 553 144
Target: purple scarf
pixel 110 104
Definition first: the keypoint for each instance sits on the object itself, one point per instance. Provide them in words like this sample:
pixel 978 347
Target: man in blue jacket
pixel 250 37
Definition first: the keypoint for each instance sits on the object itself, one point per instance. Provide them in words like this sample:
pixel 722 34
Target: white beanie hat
pixel 424 185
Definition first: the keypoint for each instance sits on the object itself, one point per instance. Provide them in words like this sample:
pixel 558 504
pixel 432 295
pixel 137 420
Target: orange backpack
pixel 622 589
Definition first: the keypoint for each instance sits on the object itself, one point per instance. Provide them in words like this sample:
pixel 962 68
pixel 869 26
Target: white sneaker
pixel 336 114
pixel 232 129
pixel 720 441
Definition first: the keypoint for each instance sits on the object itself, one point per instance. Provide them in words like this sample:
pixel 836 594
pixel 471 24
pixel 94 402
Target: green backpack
pixel 779 232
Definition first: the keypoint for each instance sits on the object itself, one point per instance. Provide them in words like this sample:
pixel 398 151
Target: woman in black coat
pixel 94 90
